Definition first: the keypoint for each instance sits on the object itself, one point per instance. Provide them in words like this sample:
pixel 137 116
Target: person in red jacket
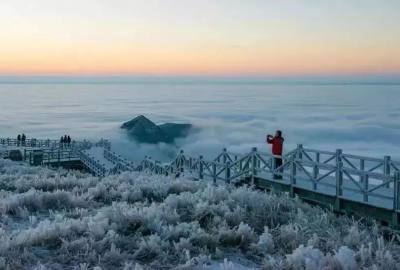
pixel 277 148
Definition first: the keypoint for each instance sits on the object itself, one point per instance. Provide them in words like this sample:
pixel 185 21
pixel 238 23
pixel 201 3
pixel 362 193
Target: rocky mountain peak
pixel 143 130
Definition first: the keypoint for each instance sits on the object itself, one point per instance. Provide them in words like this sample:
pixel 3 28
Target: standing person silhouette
pixel 277 148
pixel 18 139
pixel 65 140
pixel 23 139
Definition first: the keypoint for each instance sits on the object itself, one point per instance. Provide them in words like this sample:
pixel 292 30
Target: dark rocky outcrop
pixel 145 131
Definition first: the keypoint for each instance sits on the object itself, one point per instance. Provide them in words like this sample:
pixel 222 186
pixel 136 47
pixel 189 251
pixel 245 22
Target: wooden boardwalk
pixel 358 185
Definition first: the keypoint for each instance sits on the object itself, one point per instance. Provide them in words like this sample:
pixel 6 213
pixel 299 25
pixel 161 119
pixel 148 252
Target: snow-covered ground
pixel 69 220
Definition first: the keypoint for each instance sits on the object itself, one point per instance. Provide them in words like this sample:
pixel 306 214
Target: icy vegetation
pixel 62 220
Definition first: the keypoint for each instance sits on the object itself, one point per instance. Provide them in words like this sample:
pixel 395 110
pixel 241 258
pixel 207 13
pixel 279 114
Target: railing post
pixel 396 199
pixel 201 168
pixel 149 163
pixel 386 168
pixel 339 179
pixel 214 170
pixel 156 162
pixel 362 168
pixel 181 161
pixel 292 175
pixel 300 151
pixel 224 159
pixel 253 164
pixel 228 172
pixel 366 184
pixel 316 170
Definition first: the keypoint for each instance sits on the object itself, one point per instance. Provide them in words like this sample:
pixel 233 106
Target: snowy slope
pixel 64 220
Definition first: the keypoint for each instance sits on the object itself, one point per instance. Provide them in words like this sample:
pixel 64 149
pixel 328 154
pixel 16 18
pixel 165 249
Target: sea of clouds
pixel 359 118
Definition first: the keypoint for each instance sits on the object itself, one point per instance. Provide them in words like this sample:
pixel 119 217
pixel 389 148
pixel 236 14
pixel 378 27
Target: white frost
pixel 55 219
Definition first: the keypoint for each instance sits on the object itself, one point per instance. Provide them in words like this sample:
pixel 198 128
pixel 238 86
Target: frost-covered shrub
pixel 242 236
pixel 18 177
pixel 265 243
pixel 34 200
pixel 55 219
pixel 307 258
pixel 290 236
pixel 346 258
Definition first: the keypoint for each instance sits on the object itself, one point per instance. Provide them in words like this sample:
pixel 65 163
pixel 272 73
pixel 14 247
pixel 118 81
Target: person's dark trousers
pixel 278 163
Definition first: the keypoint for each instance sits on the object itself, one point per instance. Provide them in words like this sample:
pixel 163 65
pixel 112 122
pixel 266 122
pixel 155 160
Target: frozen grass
pixel 60 220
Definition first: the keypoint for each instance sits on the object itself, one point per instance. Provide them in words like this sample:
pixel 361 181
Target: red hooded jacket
pixel 277 145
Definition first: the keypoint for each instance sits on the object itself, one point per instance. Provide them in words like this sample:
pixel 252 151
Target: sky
pixel 189 37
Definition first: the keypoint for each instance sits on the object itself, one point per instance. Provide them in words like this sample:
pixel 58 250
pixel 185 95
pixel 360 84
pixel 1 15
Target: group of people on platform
pixel 65 141
pixel 21 139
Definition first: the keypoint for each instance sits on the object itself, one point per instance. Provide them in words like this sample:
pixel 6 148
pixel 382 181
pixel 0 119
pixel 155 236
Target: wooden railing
pixel 43 143
pixel 368 180
pixel 37 155
pixel 48 156
pixel 363 179
pixel 96 167
pixel 121 164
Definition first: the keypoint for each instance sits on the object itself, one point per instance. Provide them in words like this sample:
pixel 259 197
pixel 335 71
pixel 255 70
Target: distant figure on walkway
pixel 61 142
pixel 277 148
pixel 18 139
pixel 69 141
pixel 23 139
pixel 65 140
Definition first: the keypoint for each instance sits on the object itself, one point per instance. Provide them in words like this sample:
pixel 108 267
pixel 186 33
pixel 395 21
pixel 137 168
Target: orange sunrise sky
pixel 199 37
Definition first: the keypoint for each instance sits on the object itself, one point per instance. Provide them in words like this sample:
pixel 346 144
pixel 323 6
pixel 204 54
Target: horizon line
pixel 319 79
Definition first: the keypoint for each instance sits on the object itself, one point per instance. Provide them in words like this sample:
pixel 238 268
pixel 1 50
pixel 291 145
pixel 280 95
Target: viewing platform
pixel 346 183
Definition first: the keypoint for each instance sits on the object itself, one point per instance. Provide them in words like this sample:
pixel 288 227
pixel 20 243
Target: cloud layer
pixel 360 119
